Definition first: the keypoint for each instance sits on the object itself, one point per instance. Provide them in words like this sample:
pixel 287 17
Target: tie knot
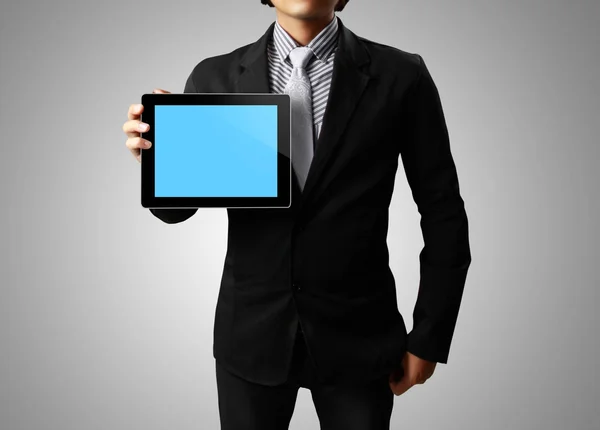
pixel 300 56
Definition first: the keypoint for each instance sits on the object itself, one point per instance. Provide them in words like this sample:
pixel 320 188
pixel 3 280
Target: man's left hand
pixel 416 371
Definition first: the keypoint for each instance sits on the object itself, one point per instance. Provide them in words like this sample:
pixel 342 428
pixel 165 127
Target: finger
pixel 137 154
pixel 160 91
pixel 135 111
pixel 134 127
pixel 136 147
pixel 421 380
pixel 138 143
pixel 400 387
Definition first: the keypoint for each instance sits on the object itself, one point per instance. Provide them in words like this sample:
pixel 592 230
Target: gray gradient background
pixel 106 313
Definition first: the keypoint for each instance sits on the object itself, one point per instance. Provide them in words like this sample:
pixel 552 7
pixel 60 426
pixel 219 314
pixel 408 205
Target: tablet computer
pixel 217 150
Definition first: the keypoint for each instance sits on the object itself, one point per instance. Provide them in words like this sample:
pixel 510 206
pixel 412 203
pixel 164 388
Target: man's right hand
pixel 133 127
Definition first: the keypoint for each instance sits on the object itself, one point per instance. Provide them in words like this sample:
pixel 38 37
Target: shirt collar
pixel 322 44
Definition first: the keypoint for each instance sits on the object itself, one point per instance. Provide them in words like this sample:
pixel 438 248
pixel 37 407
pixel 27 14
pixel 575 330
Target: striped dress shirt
pixel 319 68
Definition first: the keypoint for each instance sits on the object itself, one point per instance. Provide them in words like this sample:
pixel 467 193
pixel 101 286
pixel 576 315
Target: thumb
pixel 401 386
pixel 160 91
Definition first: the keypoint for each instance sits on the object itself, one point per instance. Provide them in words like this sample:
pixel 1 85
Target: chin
pixel 305 9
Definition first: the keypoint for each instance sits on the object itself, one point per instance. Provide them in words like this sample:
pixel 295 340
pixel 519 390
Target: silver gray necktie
pixel 300 93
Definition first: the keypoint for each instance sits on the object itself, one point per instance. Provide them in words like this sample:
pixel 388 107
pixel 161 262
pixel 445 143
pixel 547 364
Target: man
pixel 307 298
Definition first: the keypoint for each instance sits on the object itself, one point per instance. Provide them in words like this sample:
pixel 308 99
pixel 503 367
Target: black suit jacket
pixel 324 261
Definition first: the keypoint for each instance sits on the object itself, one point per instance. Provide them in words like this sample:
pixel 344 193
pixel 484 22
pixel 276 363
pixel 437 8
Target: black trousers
pixel 244 405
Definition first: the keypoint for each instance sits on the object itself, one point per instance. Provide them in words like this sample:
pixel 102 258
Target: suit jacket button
pixel 297 287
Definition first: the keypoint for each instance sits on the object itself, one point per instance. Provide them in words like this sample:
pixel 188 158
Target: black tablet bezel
pixel 284 165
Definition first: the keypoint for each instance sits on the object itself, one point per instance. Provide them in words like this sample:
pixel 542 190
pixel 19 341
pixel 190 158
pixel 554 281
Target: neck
pixel 303 30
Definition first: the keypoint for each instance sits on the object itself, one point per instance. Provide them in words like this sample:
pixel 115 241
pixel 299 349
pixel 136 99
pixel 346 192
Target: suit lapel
pixel 254 78
pixel 347 85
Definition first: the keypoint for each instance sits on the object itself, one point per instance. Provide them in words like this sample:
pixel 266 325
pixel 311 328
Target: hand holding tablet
pixel 216 150
pixel 133 127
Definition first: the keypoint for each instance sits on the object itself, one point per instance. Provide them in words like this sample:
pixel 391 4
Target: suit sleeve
pixel 445 257
pixel 174 216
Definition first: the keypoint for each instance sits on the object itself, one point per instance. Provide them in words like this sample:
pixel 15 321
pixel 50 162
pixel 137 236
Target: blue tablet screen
pixel 215 150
